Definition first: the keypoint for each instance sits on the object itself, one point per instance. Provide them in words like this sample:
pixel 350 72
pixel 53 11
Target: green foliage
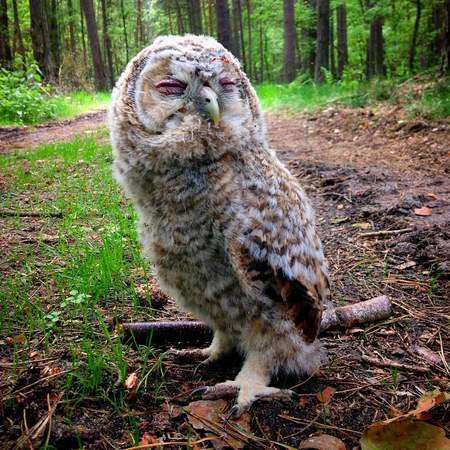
pixel 23 97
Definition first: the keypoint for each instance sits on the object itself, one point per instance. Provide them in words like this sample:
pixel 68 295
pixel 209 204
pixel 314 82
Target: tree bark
pixel 323 40
pixel 446 46
pixel 195 16
pixel 18 35
pixel 375 49
pixel 83 37
pixel 332 52
pixel 342 49
pixel 124 30
pixel 40 39
pixel 224 34
pixel 236 12
pixel 55 46
pixel 107 43
pixel 412 49
pixel 289 40
pixel 180 22
pixel 249 39
pixel 139 33
pixel 309 37
pixel 5 47
pixel 71 27
pixel 91 25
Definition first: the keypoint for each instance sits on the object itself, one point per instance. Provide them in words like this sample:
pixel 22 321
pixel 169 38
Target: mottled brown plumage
pixel 227 228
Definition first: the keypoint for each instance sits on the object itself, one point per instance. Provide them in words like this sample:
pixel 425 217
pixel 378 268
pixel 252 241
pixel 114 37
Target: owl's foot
pixel 247 392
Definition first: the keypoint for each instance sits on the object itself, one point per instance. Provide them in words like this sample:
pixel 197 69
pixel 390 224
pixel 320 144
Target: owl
pixel 229 231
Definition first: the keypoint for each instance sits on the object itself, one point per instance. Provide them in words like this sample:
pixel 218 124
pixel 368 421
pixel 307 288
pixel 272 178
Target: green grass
pixel 308 96
pixel 76 103
pixel 64 106
pixel 427 100
pixel 64 295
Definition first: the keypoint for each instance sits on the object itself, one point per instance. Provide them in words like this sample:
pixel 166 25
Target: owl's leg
pixel 251 384
pixel 221 346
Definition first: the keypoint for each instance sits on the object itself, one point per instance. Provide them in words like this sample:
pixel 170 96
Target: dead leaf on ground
pixel 362 225
pixel 423 211
pixel 406 435
pixel 426 354
pixel 131 383
pixel 208 415
pixel 407 431
pixel 325 395
pixel 323 442
pixel 147 439
pixel 432 195
pixel 406 265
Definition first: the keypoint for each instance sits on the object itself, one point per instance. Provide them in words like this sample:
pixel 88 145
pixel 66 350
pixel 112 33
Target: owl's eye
pixel 227 83
pixel 171 87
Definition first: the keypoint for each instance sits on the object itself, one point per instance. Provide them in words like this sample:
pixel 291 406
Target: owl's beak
pixel 209 104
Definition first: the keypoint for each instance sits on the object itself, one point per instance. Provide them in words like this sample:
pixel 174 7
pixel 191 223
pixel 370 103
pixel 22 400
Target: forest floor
pixel 381 188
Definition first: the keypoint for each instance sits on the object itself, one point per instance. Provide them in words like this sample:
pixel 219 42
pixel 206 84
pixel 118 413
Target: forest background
pixel 50 47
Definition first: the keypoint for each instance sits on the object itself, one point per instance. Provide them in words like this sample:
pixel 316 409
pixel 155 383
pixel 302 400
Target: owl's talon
pixel 234 413
pixel 200 391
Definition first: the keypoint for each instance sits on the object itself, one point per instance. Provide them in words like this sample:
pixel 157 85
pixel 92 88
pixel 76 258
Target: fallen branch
pixel 389 363
pixel 10 213
pixel 386 232
pixel 171 332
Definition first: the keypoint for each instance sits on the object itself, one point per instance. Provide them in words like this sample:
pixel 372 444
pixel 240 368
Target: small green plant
pixel 23 97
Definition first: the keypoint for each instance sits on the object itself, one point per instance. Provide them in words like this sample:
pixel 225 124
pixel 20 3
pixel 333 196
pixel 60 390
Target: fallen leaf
pixel 323 442
pixel 407 431
pixel 423 211
pixel 325 395
pixel 131 384
pixel 405 435
pixel 362 225
pixel 432 195
pixel 147 439
pixel 406 265
pixel 208 415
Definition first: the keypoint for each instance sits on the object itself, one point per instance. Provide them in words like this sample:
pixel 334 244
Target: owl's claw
pixel 235 412
pixel 218 391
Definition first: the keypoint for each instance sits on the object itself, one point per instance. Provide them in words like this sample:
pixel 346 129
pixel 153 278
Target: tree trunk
pixel 139 32
pixel 241 34
pixel 342 49
pixel 446 47
pixel 210 18
pixel 99 69
pixel 412 49
pixel 124 29
pixel 375 49
pixel 236 29
pixel 71 27
pixel 249 39
pixel 332 53
pixel 309 35
pixel 289 40
pixel 40 39
pixel 83 37
pixel 323 40
pixel 224 35
pixel 180 22
pixel 195 16
pixel 55 47
pixel 5 48
pixel 261 53
pixel 18 35
pixel 107 43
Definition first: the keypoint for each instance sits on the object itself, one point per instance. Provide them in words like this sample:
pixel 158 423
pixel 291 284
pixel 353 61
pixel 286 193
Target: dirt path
pixel 366 171
pixel 49 133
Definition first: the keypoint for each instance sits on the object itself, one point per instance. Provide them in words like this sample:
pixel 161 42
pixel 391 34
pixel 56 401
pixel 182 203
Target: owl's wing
pixel 278 255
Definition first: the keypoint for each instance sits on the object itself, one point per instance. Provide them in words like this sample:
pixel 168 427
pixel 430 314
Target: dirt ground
pixel 381 188
pixel 20 138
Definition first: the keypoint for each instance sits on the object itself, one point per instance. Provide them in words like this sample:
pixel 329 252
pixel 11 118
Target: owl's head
pixel 188 88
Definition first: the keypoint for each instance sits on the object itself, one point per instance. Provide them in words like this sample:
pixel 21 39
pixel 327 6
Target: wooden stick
pixel 11 213
pixel 172 332
pixel 389 363
pixel 386 232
